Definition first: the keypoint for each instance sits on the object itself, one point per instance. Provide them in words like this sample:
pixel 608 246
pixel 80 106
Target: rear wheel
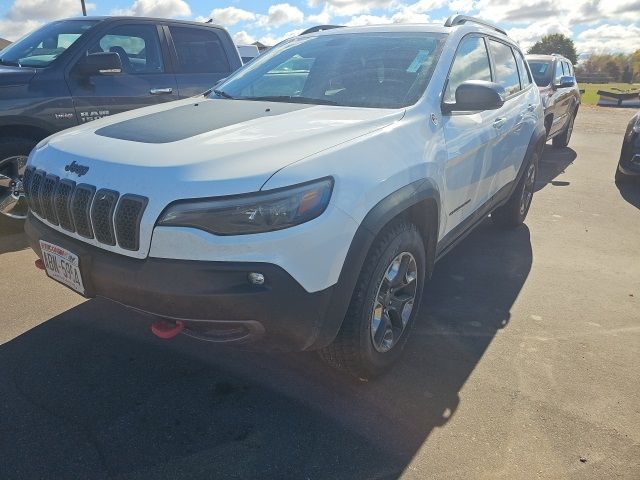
pixel 13 160
pixel 384 304
pixel 562 139
pixel 513 213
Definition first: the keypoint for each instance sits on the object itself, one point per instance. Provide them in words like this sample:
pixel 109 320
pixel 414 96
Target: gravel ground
pixel 523 364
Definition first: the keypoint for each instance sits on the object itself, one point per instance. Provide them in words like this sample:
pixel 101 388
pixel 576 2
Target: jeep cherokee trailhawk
pixel 303 202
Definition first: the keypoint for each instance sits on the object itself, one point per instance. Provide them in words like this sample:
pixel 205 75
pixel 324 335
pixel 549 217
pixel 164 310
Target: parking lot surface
pixel 523 364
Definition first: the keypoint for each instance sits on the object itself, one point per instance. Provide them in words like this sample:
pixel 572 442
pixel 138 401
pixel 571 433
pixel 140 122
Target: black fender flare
pixel 380 215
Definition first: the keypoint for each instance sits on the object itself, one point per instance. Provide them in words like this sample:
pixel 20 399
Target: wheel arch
pixel 23 129
pixel 419 202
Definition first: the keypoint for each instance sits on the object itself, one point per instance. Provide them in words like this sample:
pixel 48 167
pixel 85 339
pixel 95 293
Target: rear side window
pixel 568 70
pixel 471 63
pixel 525 78
pixel 137 46
pixel 505 65
pixel 199 50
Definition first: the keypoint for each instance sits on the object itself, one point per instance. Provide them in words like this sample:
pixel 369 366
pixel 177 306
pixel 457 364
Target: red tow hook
pixel 39 264
pixel 166 330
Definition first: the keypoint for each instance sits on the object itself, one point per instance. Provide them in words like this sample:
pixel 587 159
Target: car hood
pixel 188 144
pixel 199 148
pixel 12 76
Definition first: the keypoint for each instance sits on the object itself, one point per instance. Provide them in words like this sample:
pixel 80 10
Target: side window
pixel 505 65
pixel 199 50
pixel 559 72
pixel 471 63
pixel 137 45
pixel 525 76
pixel 568 69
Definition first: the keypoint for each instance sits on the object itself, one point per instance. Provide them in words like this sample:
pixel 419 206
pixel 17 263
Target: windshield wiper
pixel 223 94
pixel 291 99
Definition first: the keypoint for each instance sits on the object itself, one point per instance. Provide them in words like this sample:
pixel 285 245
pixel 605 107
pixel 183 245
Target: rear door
pixel 508 126
pixel 200 57
pixel 144 80
pixel 469 136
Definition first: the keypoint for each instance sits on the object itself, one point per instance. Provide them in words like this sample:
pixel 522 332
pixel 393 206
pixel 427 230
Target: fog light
pixel 256 278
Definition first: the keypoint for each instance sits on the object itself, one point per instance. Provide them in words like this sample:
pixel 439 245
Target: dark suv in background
pixel 74 71
pixel 560 95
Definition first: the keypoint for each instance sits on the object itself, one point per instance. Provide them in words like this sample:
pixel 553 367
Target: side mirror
pixel 474 95
pixel 566 81
pixel 102 63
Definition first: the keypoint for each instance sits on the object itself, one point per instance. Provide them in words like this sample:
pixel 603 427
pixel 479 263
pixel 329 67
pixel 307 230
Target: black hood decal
pixel 190 120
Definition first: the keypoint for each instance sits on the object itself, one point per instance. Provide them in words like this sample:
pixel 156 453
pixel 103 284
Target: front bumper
pixel 215 300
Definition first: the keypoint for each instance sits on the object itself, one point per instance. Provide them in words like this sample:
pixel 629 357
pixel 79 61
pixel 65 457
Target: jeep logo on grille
pixel 76 168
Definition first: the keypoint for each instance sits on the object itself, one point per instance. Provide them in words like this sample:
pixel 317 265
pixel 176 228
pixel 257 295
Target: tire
pixel 13 155
pixel 562 139
pixel 370 341
pixel 513 213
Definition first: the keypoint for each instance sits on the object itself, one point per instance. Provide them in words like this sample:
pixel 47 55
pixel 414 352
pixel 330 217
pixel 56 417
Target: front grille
pixel 102 215
pixel 62 203
pixel 105 215
pixel 46 198
pixel 80 208
pixel 127 222
pixel 34 197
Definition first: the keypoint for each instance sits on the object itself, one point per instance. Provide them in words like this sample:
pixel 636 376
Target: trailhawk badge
pixel 76 168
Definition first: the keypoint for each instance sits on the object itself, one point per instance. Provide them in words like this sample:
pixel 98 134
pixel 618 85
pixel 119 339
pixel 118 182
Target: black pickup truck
pixel 74 71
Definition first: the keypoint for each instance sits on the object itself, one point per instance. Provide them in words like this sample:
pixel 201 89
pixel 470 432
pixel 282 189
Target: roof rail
pixel 320 28
pixel 455 20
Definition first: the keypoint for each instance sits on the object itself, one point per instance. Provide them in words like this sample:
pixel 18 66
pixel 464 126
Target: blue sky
pixel 595 25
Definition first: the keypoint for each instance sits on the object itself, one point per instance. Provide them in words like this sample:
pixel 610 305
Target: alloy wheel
pixel 12 201
pixel 394 302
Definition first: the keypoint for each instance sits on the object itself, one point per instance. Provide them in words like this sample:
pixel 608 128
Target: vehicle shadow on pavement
pixel 630 191
pixel 554 162
pixel 92 394
pixel 12 236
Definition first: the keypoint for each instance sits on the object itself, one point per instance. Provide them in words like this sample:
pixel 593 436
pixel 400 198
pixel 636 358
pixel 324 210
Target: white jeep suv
pixel 303 202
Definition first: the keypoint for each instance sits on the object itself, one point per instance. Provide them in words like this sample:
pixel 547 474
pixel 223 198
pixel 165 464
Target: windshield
pixel 541 71
pixel 43 46
pixel 377 70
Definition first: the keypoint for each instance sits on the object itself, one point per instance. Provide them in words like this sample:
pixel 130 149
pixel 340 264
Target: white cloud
pixel 271 40
pixel 26 15
pixel 156 8
pixel 527 36
pixel 609 38
pixel 322 18
pixel 231 15
pixel 281 14
pixel 243 38
pixel 341 8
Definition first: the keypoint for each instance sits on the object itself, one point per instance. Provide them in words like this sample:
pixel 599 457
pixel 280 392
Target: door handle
pixel 160 91
pixel 499 122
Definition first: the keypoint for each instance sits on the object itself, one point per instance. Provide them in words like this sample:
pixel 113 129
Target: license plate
pixel 62 265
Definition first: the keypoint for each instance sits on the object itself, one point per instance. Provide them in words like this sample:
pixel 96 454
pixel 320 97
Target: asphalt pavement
pixel 524 363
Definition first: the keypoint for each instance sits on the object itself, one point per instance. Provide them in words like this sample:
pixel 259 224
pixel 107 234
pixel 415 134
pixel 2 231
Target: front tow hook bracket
pixel 166 330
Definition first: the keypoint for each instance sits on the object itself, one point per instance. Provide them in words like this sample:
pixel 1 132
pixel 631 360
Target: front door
pixel 143 80
pixel 469 137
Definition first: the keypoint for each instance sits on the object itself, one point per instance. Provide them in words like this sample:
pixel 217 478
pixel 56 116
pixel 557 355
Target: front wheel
pixel 13 160
pixel 513 213
pixel 384 304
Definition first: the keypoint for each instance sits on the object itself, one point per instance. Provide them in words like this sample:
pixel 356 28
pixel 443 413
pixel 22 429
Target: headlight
pixel 252 213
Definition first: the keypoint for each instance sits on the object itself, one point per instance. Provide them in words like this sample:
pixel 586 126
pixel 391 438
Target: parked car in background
pixel 75 71
pixel 247 52
pixel 560 95
pixel 309 219
pixel 629 163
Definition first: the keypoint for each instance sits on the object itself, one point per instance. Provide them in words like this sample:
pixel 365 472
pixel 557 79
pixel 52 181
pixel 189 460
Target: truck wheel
pixel 384 304
pixel 13 160
pixel 513 213
pixel 562 139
